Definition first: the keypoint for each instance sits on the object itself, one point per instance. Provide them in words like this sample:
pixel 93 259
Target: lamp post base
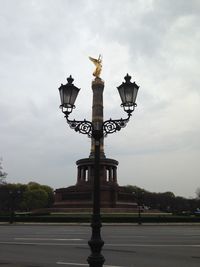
pixel 96 259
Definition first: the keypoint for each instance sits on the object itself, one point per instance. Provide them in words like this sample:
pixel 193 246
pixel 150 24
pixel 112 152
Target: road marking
pixel 107 245
pixel 45 239
pixel 71 263
pixel 125 236
pixel 42 244
pixel 152 245
pixel 81 264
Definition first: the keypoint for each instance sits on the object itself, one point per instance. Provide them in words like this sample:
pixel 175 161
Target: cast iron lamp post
pixel 139 196
pixel 97 129
pixel 13 196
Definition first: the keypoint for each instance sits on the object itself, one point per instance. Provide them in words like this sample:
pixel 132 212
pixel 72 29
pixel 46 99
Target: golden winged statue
pixel 97 63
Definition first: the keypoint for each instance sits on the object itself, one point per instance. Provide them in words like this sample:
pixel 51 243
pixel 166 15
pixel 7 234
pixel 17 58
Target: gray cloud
pixel 157 42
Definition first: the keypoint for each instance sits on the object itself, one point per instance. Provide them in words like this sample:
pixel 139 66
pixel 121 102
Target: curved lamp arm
pixel 86 127
pixel 112 126
pixel 83 127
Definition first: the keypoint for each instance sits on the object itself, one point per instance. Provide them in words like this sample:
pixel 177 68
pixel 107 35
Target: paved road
pixel 127 246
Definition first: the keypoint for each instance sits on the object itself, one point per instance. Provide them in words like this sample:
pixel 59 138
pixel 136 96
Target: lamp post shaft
pixel 139 216
pixel 96 259
pixel 139 197
pixel 96 196
pixel 12 209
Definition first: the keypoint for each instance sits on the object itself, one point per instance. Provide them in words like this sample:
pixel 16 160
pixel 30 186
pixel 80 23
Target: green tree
pixel 23 197
pixel 133 189
pixel 11 196
pixel 50 193
pixel 166 201
pixel 46 188
pixel 35 199
pixel 33 185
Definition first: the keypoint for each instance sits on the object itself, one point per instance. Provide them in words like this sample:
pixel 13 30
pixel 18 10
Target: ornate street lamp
pixel 128 93
pixel 139 197
pixel 68 95
pixel 13 197
pixel 97 129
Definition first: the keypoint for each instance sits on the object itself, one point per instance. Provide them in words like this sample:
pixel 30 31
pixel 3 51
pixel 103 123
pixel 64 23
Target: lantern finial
pixel 70 79
pixel 127 78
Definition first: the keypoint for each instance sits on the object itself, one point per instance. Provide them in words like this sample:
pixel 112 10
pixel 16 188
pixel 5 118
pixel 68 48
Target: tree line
pixel 165 202
pixel 25 197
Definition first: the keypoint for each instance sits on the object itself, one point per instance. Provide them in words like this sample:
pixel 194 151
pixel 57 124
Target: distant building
pixel 79 196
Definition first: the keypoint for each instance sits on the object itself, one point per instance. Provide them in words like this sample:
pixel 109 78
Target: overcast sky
pixel 157 42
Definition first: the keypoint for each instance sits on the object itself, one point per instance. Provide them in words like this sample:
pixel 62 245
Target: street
pixel 125 246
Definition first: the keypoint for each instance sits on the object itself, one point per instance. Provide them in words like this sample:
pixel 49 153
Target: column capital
pixel 97 81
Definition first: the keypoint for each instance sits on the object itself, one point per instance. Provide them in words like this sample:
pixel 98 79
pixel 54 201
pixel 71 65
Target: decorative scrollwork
pixel 112 126
pixel 108 127
pixel 84 127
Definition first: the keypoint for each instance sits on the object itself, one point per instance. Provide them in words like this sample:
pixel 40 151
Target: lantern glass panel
pixel 122 94
pixel 73 96
pixel 61 96
pixel 128 95
pixel 66 97
pixel 135 91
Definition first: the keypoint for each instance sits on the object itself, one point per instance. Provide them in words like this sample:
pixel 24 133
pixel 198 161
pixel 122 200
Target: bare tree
pixel 198 192
pixel 2 173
